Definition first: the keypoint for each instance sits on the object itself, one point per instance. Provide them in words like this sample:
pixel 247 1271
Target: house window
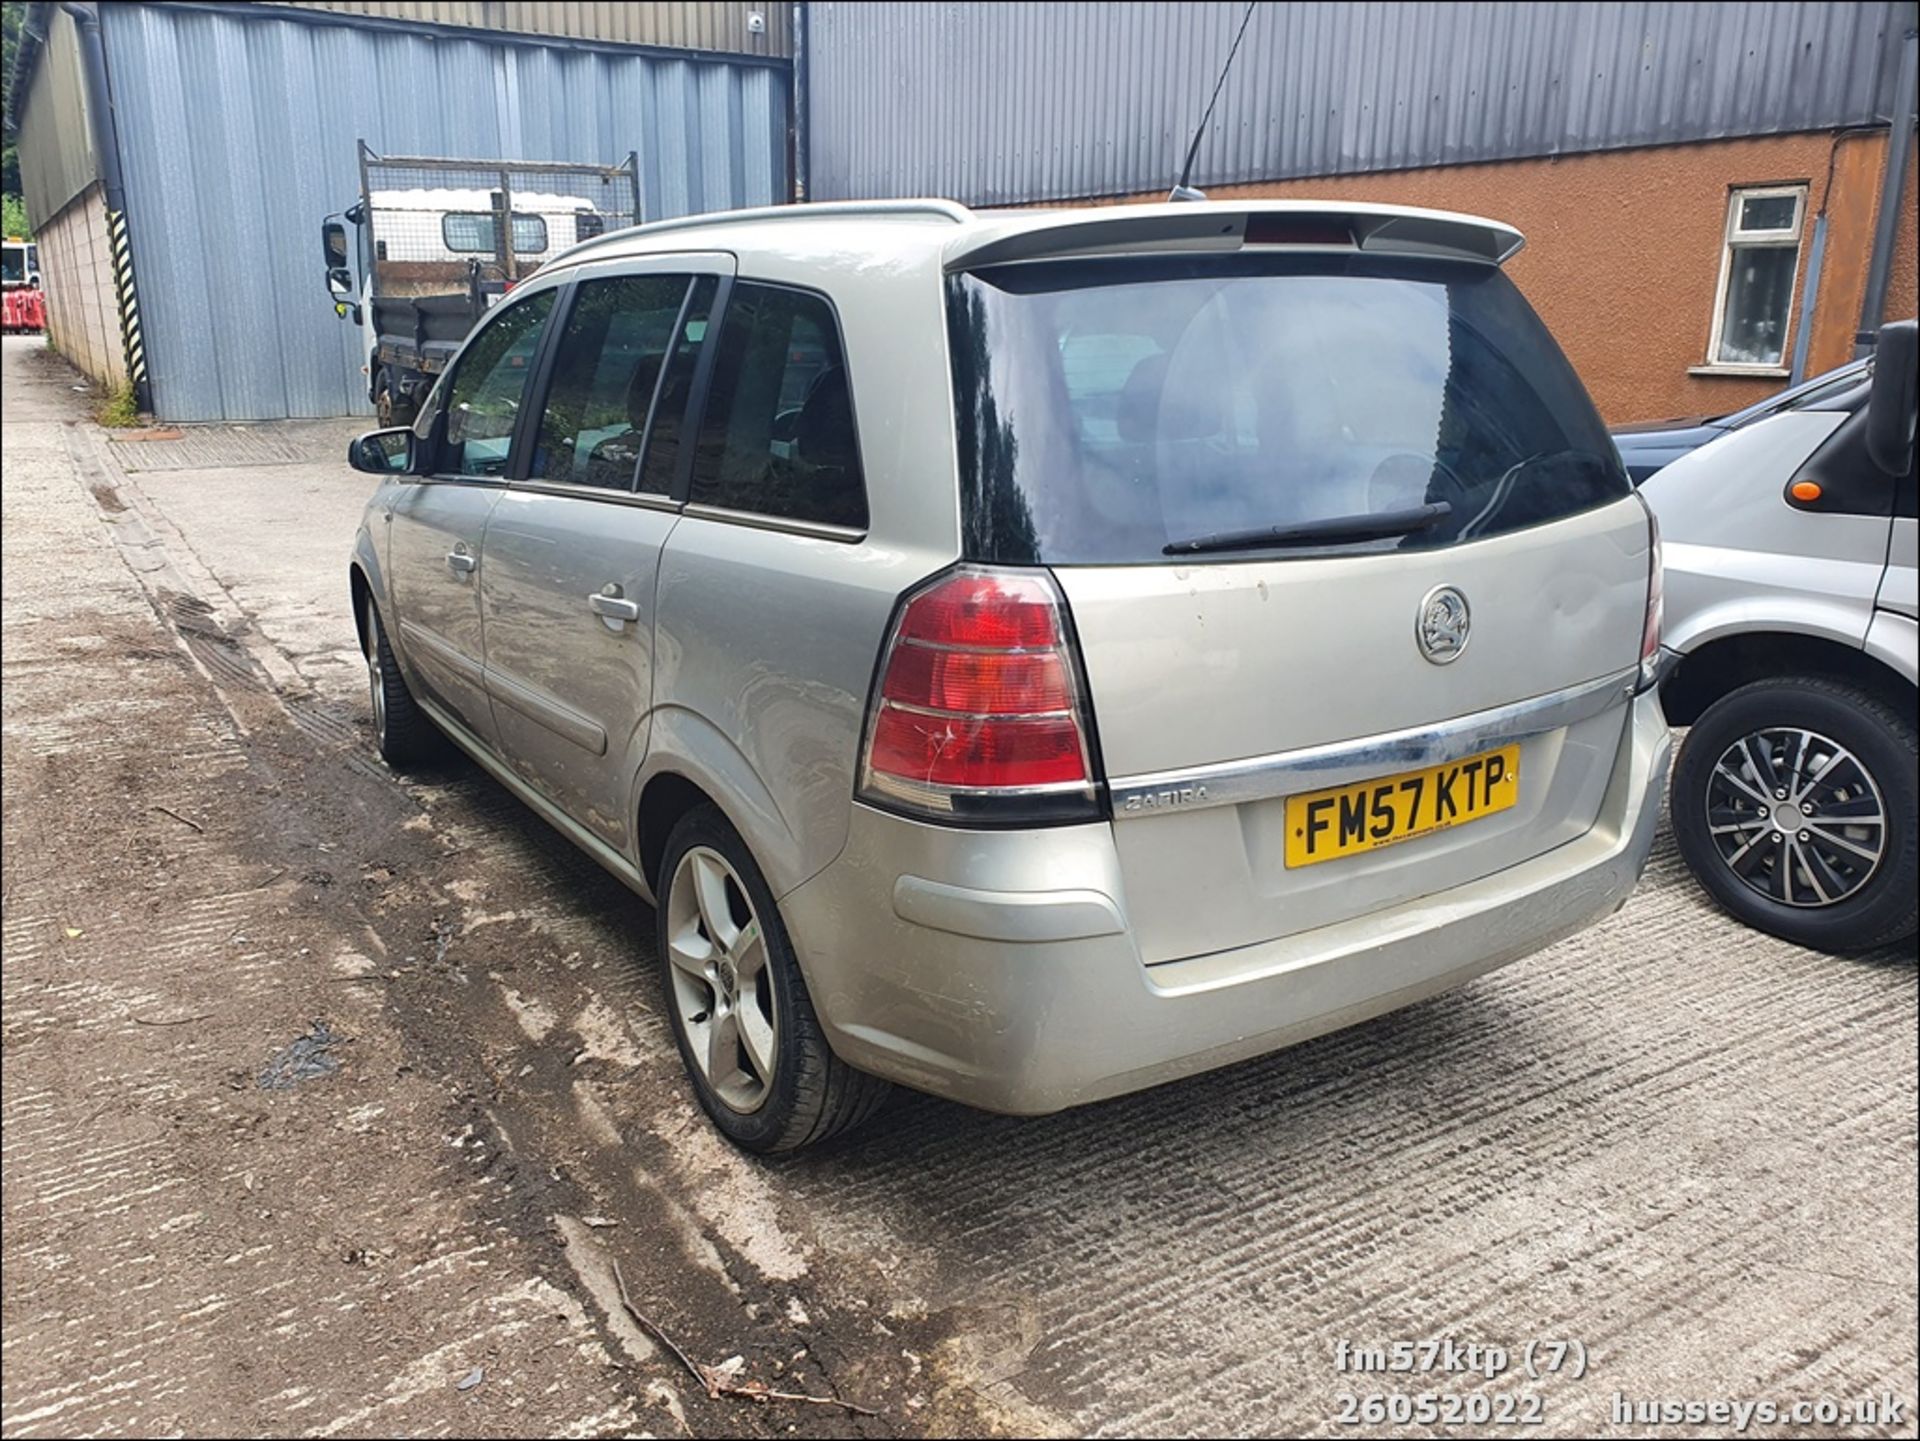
pixel 1754 306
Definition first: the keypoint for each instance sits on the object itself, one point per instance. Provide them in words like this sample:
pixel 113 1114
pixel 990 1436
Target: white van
pixel 1793 653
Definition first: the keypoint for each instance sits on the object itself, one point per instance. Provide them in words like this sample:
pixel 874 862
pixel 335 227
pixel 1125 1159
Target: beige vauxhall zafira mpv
pixel 1032 656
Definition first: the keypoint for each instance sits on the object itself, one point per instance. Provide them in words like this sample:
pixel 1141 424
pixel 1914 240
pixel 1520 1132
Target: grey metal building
pixel 1003 104
pixel 178 158
pixel 1628 140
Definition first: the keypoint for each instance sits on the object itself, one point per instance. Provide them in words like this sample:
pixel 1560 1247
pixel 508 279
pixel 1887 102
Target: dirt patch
pixel 308 1058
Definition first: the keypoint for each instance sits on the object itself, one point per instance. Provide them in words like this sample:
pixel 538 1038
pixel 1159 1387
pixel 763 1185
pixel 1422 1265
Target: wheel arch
pixel 1722 666
pixel 361 589
pixel 691 762
pixel 664 800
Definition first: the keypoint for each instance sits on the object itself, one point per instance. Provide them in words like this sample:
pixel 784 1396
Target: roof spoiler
pixel 1222 226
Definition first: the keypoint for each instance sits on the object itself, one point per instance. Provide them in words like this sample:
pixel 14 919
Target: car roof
pixel 949 236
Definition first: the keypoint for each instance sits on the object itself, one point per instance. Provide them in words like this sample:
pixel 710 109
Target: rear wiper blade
pixel 1329 530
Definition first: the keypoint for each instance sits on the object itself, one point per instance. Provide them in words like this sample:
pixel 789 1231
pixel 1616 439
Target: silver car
pixel 1030 657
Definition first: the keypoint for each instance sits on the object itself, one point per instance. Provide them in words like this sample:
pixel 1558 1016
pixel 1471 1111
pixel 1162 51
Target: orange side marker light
pixel 1808 490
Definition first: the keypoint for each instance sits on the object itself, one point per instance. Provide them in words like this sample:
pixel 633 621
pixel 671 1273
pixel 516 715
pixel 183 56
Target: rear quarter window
pixel 777 438
pixel 1109 409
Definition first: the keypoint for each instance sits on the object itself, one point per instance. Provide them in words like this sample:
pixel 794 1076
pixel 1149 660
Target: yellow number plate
pixel 1343 821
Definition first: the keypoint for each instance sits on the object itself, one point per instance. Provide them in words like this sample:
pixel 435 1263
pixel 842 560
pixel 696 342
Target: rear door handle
pixel 460 563
pixel 613 607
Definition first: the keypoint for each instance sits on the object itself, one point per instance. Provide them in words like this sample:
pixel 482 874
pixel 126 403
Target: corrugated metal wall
pixel 1002 103
pixel 237 138
pixel 56 152
pixel 687 24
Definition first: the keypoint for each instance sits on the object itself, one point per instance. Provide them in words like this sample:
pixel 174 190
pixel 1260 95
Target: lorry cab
pixel 1791 653
pixel 20 264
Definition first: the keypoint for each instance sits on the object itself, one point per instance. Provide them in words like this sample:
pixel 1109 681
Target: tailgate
pixel 1220 689
pixel 1257 475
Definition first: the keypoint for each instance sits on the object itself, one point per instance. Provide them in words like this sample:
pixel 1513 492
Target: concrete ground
pixel 1686 1147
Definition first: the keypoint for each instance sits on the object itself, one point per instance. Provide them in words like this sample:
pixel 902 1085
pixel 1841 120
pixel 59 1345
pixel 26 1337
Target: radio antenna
pixel 1181 190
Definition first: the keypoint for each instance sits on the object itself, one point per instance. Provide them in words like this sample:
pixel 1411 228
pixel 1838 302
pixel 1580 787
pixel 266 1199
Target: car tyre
pixel 745 1025
pixel 401 730
pixel 1715 807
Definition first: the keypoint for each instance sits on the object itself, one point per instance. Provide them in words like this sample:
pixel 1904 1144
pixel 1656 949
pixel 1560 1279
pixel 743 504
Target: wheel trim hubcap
pixel 722 990
pixel 1796 816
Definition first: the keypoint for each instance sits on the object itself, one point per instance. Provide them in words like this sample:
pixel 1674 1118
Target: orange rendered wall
pixel 1623 252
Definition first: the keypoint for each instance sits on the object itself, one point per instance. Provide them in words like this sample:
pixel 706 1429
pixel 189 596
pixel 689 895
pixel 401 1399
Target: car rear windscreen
pixel 1109 409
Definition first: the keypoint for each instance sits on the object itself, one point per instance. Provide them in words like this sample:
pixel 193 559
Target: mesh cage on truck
pixel 443 239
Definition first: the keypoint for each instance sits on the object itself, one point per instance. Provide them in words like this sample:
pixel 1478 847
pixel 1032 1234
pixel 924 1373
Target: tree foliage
pixel 13 16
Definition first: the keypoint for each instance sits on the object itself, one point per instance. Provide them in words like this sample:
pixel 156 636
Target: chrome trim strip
pixel 1259 778
pixel 700 510
pixel 941 798
pixel 646 500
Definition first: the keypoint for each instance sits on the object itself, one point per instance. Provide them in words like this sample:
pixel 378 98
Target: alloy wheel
pixel 1796 816
pixel 722 986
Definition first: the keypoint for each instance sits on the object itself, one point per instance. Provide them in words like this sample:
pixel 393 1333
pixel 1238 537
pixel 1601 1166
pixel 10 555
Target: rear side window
pixel 778 435
pixel 605 373
pixel 486 387
pixel 1107 410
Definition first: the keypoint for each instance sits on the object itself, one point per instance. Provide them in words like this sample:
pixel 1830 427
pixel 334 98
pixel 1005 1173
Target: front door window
pixel 487 386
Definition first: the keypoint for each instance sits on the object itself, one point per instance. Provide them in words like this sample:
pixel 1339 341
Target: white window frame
pixel 1737 237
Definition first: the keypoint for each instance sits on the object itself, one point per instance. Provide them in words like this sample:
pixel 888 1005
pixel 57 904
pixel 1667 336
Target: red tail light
pixel 977 714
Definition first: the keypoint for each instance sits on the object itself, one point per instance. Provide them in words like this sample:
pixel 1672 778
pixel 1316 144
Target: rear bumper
pixel 995 968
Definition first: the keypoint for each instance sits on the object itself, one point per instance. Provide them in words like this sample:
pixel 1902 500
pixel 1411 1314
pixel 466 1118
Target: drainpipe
pixel 800 102
pixel 93 59
pixel 1809 301
pixel 106 145
pixel 1893 184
